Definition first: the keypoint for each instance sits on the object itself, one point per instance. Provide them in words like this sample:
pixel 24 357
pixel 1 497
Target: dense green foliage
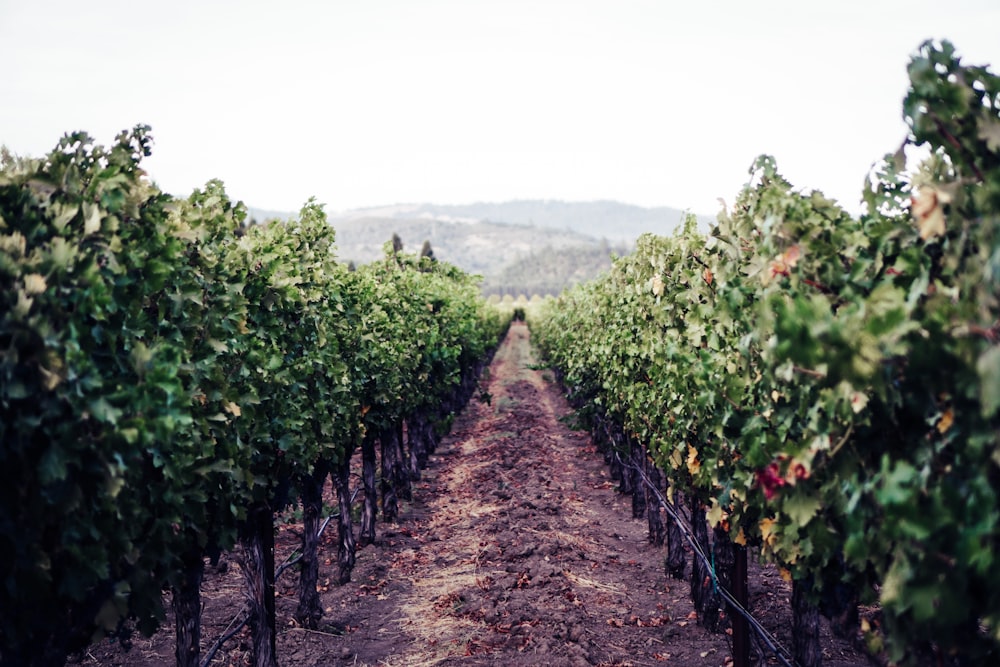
pixel 163 368
pixel 828 385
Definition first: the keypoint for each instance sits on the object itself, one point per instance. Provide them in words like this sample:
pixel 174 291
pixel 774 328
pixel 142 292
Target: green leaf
pixel 800 507
pixel 52 465
pixel 988 368
pixel 989 132
pixel 103 411
pixel 897 483
pixel 17 390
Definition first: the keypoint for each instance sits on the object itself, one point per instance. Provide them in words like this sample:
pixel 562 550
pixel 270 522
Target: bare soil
pixel 515 550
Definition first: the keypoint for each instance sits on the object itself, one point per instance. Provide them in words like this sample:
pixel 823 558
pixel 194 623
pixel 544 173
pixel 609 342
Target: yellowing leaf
pixel 62 253
pixel 232 409
pixel 54 374
pixel 23 305
pixel 947 419
pixel 784 263
pixel 785 574
pixel 767 531
pixel 676 459
pixel 91 218
pixel 989 131
pixel 741 538
pixel 14 244
pixel 715 513
pixel 792 255
pixel 988 368
pixel 693 464
pixel 140 356
pixel 657 285
pixel 115 482
pixel 928 212
pixel 893 582
pixel 49 380
pixel 34 283
pixel 63 214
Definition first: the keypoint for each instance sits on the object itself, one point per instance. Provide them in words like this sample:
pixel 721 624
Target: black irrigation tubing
pixel 226 637
pixel 772 644
pixel 290 561
pixel 229 634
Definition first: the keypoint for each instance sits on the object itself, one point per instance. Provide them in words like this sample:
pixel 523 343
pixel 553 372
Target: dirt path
pixel 516 550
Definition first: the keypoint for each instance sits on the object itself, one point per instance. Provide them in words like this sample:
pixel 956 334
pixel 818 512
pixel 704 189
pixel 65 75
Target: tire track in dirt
pixel 518 551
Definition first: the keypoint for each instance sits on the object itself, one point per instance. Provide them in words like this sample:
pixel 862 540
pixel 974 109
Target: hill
pixel 550 270
pixel 485 248
pixel 615 221
pixel 523 246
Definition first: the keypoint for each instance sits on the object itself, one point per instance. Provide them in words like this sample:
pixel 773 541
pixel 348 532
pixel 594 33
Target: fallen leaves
pixel 653 622
pixel 374 588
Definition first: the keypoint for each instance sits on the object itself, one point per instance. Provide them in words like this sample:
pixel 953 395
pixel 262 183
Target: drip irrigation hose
pixel 290 561
pixel 765 637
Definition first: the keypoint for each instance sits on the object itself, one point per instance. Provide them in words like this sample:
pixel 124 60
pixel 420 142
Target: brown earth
pixel 516 550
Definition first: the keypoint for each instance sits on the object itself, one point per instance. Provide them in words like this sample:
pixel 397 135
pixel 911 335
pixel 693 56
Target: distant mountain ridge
pixel 612 220
pixel 485 248
pixel 521 246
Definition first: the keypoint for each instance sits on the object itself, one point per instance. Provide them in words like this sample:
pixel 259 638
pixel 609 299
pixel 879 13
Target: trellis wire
pixel 765 637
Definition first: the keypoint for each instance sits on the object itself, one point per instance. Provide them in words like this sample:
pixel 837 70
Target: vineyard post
pixel 404 489
pixel 258 568
pixel 310 611
pixel 367 535
pixel 345 529
pixel 805 625
pixel 741 628
pixel 676 559
pixel 187 611
pixel 416 449
pixel 389 481
pixel 703 591
pixel 654 516
pixel 637 461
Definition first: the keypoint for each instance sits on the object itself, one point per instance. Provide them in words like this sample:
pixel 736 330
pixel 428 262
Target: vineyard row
pixel 170 378
pixel 824 389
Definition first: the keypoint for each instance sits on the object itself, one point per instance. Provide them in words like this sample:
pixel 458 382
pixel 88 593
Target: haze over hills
pixel 478 247
pixel 615 221
pixel 523 246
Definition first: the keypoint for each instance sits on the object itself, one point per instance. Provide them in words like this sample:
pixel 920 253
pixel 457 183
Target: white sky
pixel 372 102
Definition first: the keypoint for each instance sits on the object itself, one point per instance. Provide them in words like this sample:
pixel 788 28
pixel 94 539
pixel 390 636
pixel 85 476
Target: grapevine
pixel 824 385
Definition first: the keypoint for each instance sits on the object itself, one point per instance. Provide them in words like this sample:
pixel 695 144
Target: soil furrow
pixel 515 550
pixel 525 553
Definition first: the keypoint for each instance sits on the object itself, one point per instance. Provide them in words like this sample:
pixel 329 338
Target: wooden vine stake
pixel 741 627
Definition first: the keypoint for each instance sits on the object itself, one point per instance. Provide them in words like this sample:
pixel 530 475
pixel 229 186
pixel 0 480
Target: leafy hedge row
pixel 829 386
pixel 163 368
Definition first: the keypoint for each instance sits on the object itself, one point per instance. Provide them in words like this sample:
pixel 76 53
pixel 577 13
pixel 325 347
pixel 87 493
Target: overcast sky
pixel 372 102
